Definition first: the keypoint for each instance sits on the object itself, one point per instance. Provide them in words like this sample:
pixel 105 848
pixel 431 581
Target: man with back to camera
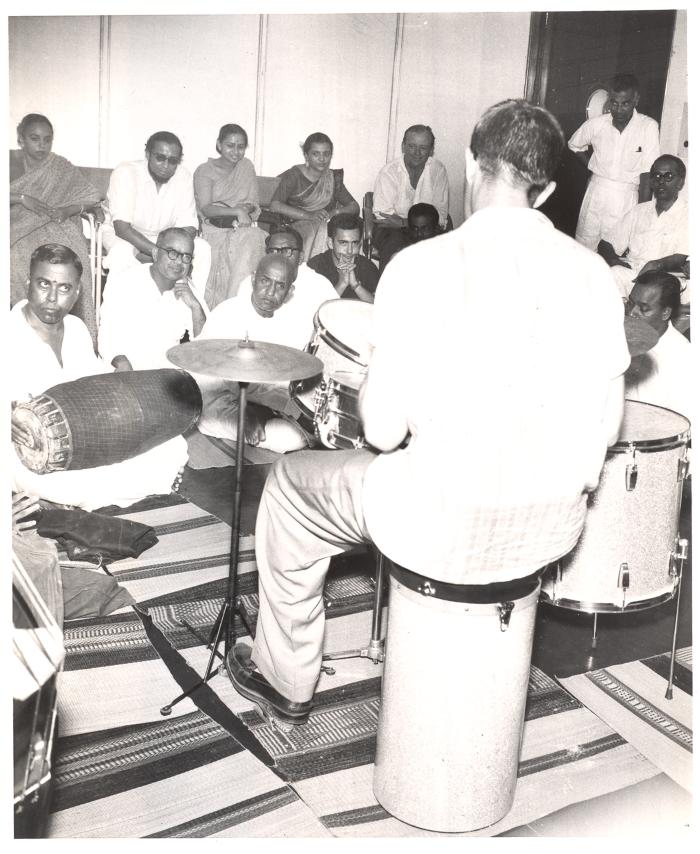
pixel 654 234
pixel 352 275
pixel 624 145
pixel 414 177
pixel 662 375
pixel 146 196
pixel 471 517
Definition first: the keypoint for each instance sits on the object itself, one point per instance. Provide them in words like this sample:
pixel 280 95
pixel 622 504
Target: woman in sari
pixel 308 195
pixel 47 196
pixel 226 193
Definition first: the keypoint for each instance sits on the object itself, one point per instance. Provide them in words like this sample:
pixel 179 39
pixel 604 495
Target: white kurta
pixel 663 375
pixel 648 236
pixel 140 322
pixel 37 369
pixel 617 161
pixel 133 197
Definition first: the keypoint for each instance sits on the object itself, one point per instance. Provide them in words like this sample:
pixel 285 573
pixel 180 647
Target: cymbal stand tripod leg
pixel 224 625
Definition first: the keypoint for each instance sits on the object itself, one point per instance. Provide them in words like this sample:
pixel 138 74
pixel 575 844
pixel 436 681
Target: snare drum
pixel 341 341
pixel 337 414
pixel 626 557
pixel 107 418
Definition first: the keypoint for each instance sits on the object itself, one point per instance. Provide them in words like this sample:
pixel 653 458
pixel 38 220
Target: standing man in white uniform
pixel 624 145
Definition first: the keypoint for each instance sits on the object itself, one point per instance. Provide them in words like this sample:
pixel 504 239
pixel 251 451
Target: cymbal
pixel 640 335
pixel 244 360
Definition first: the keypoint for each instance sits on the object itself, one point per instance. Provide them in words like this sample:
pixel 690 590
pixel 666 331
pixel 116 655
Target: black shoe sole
pixel 267 707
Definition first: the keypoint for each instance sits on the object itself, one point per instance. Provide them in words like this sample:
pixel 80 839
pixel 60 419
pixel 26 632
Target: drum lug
pixel 426 588
pixel 505 609
pixel 631 472
pixel 678 556
pixel 623 581
pixel 683 465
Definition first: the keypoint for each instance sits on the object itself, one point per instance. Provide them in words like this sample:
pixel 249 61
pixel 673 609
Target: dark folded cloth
pixel 90 593
pixel 94 537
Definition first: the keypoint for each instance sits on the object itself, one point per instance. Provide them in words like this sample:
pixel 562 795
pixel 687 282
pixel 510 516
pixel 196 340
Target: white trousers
pixel 604 204
pixel 311 509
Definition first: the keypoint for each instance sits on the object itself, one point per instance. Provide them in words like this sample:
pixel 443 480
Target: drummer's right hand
pixel 21 435
pixel 24 505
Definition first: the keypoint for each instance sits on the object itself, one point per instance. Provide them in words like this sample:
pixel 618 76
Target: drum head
pixel 348 379
pixel 647 425
pixel 345 326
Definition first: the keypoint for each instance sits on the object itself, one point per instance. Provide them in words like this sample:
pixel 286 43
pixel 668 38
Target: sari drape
pixel 314 197
pixel 57 183
pixel 235 251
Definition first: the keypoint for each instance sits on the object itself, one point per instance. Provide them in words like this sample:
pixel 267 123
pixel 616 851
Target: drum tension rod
pixel 631 471
pixel 680 555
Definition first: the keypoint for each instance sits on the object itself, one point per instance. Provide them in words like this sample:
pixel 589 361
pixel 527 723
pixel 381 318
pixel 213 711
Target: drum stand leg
pixel 594 639
pixel 224 625
pixel 375 649
pixel 680 556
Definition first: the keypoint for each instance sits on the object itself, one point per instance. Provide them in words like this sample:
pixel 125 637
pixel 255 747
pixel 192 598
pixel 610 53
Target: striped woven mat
pixel 122 769
pixel 632 699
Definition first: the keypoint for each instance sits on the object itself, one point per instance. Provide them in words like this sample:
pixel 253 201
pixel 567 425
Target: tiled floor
pixel 562 647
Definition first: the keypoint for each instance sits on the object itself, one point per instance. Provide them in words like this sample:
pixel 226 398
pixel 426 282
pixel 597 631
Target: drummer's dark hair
pixel 163 136
pixel 286 229
pixel 519 141
pixel 55 253
pixel 623 82
pixel 346 221
pixel 670 287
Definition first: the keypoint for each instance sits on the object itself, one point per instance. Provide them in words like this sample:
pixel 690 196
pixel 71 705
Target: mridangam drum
pixel 626 558
pixel 106 418
pixel 454 690
pixel 341 341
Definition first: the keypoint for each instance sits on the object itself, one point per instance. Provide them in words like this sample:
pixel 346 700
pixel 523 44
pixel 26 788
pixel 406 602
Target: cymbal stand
pixel 224 624
pixel 680 556
pixel 375 649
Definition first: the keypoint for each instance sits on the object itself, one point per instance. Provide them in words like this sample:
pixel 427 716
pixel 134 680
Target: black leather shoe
pixel 249 682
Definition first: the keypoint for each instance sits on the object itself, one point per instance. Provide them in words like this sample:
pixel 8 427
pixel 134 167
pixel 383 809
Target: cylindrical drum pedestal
pixel 453 704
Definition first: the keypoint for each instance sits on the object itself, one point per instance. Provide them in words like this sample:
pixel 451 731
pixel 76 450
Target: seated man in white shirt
pixel 414 177
pixel 146 196
pixel 49 347
pixel 148 308
pixel 654 234
pixel 268 313
pixel 662 375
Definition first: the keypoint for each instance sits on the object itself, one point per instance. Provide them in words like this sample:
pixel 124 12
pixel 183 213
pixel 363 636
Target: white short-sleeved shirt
pixel 649 235
pixel 140 322
pixel 503 374
pixel 619 156
pixel 393 193
pixel 133 197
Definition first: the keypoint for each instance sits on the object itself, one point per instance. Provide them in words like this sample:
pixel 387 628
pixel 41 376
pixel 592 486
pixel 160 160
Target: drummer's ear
pixel 290 294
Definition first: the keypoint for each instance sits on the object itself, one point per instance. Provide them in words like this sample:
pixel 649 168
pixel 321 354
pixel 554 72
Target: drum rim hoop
pixel 48 465
pixel 664 443
pixel 340 347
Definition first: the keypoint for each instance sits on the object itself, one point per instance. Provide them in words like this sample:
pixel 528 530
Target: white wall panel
pixel 189 74
pixel 329 73
pixel 453 66
pixel 54 70
pixel 673 131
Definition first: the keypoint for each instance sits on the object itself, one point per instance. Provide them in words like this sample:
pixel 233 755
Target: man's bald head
pixel 273 284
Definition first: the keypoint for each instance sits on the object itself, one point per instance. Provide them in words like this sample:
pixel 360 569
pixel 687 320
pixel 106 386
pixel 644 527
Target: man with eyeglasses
pixel 267 313
pixel 310 288
pixel 618 149
pixel 654 234
pixel 145 197
pixel 148 308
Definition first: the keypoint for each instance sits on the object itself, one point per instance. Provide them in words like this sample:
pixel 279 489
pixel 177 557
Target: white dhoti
pixel 150 473
pixel 603 205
